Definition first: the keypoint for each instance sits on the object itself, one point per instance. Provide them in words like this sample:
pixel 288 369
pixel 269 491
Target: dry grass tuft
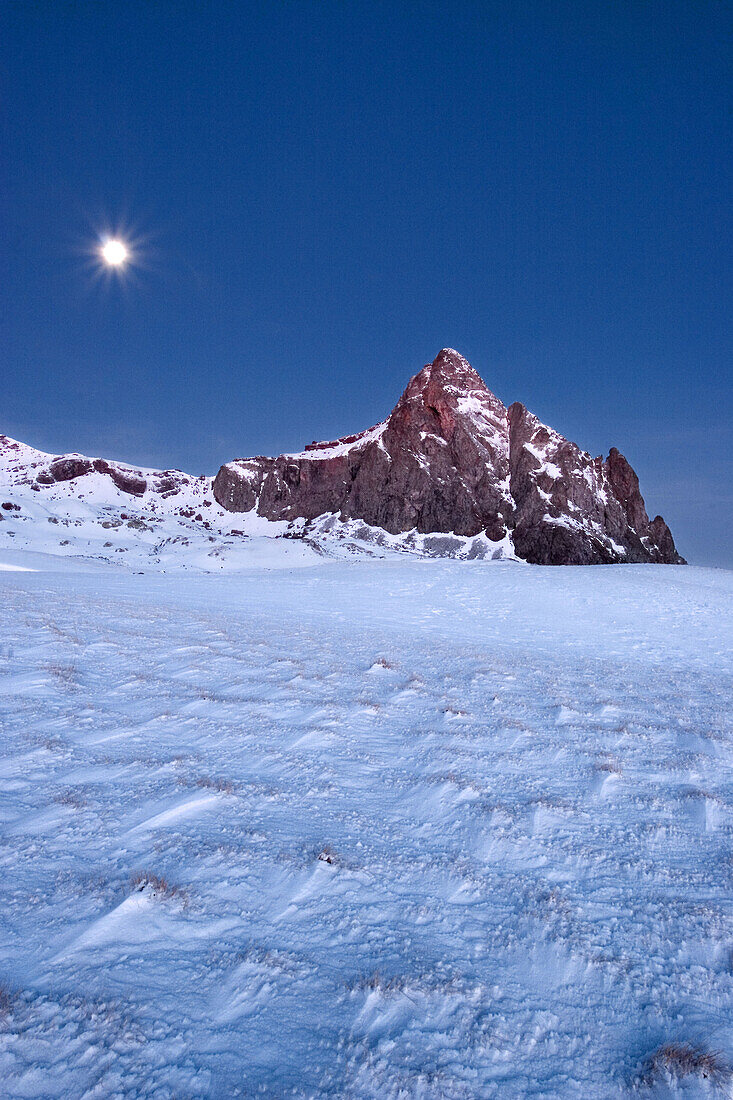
pixel 64 673
pixel 675 1060
pixel 145 882
pixel 225 786
pixel 71 797
pixel 328 855
pixel 386 987
pixel 6 1001
pixel 611 766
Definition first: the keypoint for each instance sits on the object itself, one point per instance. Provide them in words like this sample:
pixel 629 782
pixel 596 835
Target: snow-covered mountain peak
pixel 451 458
pixel 450 471
pixel 451 386
pixel 450 367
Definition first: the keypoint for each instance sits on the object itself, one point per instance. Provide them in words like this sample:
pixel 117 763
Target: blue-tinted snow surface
pixel 427 829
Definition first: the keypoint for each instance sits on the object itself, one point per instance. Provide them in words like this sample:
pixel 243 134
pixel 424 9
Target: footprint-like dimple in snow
pixel 251 987
pixel 40 823
pixel 468 893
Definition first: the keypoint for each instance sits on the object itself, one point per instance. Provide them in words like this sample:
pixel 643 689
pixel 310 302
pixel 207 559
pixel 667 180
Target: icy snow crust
pixel 379 829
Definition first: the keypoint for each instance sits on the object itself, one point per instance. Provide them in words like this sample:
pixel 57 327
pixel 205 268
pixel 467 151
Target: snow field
pixel 366 829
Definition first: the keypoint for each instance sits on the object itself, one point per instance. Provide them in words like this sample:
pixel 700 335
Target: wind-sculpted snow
pixel 370 829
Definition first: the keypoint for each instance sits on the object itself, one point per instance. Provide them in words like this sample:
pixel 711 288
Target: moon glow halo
pixel 114 252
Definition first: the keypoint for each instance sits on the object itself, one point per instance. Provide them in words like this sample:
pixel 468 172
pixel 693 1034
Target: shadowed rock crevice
pixel 450 458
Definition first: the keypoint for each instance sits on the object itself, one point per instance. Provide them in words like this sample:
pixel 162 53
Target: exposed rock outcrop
pixel 440 462
pixel 128 481
pixel 67 467
pixel 451 458
pixel 45 470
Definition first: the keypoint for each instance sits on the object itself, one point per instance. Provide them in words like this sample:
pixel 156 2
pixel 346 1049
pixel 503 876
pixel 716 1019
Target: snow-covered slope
pixel 370 829
pixel 102 511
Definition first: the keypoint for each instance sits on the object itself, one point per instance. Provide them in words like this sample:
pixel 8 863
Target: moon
pixel 114 253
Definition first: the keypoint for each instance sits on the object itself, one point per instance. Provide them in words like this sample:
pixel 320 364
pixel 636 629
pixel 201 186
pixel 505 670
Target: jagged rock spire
pixel 451 458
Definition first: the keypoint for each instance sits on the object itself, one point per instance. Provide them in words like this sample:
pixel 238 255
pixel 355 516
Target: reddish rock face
pixel 451 458
pixel 571 508
pixel 625 485
pixel 129 481
pixel 661 543
pixel 440 462
pixel 68 467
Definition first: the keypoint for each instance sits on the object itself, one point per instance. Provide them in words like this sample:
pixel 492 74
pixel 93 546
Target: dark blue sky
pixel 323 195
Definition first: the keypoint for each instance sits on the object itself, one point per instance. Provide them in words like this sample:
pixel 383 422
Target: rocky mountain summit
pixel 451 458
pixel 450 473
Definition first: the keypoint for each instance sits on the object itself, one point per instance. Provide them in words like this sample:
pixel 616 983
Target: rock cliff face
pixel 451 458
